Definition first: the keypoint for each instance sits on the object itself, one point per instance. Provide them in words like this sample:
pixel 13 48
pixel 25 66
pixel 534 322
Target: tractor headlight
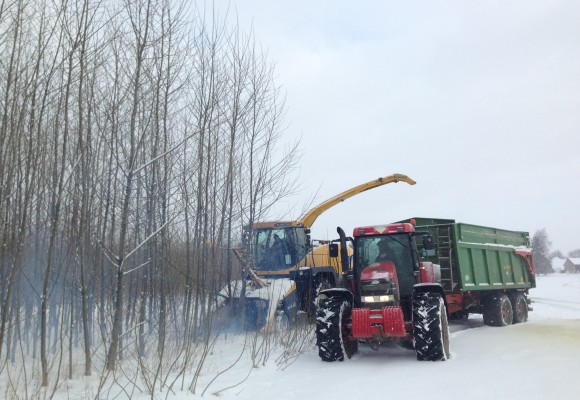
pixel 378 299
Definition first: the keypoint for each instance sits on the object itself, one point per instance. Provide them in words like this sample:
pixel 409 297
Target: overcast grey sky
pixel 478 101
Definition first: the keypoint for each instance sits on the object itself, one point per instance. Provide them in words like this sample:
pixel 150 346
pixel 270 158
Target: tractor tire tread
pixel 430 327
pixel 329 329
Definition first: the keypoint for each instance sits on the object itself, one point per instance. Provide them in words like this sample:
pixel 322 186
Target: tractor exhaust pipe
pixel 343 252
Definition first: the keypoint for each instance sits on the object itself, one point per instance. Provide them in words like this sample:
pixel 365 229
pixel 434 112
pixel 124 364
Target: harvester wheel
pixel 430 327
pixel 519 308
pixel 322 284
pixel 332 337
pixel 497 310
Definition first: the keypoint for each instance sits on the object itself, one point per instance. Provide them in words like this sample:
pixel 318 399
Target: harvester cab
pixel 276 247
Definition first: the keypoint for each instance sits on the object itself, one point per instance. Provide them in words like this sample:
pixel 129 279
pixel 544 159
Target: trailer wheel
pixel 430 327
pixel 332 336
pixel 519 308
pixel 497 310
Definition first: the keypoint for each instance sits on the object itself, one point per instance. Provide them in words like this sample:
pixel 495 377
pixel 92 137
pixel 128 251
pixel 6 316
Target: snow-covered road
pixel 535 360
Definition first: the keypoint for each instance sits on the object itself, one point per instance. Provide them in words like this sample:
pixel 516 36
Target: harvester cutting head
pixel 238 315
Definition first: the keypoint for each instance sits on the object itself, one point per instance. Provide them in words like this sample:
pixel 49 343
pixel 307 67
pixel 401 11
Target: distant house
pixel 558 264
pixel 572 265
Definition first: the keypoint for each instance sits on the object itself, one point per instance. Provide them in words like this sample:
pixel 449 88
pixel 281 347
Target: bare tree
pixel 134 146
pixel 541 249
pixel 140 18
pixel 574 253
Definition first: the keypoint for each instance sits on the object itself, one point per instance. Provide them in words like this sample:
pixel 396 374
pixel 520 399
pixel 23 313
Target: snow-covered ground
pixel 535 360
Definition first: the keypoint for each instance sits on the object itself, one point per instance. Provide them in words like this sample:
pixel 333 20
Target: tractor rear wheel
pixel 430 327
pixel 332 336
pixel 497 310
pixel 519 308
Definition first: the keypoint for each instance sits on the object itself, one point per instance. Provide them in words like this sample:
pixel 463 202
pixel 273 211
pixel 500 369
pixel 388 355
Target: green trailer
pixel 483 270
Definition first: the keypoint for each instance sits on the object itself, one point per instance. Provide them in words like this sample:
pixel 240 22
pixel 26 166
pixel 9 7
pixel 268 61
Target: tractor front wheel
pixel 430 327
pixel 332 336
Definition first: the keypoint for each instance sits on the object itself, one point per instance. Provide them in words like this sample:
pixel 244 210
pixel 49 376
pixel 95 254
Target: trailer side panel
pixel 476 258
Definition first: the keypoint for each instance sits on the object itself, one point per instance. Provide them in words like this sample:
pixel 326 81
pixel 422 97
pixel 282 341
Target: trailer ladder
pixel 445 257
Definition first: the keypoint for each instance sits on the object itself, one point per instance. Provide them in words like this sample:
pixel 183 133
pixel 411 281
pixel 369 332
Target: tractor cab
pixel 386 266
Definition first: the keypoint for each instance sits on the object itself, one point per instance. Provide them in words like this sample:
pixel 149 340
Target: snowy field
pixel 535 360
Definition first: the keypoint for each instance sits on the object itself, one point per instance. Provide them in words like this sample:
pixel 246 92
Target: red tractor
pixel 392 295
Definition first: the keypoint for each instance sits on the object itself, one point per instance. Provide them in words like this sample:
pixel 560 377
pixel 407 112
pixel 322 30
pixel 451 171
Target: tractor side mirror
pixel 333 250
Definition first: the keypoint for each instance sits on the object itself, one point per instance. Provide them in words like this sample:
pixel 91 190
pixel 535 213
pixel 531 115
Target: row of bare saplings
pixel 135 141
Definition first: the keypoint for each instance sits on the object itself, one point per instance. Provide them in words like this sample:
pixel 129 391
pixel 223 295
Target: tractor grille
pixel 381 287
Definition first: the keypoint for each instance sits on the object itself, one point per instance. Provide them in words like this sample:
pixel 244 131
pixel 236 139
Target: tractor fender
pixel 429 287
pixel 338 292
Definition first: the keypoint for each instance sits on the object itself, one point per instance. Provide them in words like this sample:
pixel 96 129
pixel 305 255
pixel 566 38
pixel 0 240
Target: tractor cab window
pixel 396 248
pixel 279 248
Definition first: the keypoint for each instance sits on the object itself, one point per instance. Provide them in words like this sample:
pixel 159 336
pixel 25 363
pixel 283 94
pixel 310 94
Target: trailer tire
pixel 519 307
pixel 497 310
pixel 430 327
pixel 332 318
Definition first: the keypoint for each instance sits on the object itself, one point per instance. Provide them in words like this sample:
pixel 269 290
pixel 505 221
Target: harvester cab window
pixel 277 249
pixel 297 244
